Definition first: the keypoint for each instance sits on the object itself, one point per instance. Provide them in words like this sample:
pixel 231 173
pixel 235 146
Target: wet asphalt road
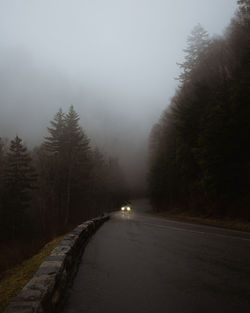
pixel 139 263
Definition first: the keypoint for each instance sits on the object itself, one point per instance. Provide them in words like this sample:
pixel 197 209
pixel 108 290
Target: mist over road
pixel 140 263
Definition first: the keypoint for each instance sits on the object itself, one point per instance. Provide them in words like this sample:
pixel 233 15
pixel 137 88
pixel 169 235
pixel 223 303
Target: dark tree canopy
pixel 200 149
pixel 58 185
pixel 18 181
pixel 55 142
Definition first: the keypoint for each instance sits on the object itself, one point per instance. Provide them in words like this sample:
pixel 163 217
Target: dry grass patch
pixel 15 279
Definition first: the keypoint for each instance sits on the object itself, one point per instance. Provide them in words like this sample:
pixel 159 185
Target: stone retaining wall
pixel 44 293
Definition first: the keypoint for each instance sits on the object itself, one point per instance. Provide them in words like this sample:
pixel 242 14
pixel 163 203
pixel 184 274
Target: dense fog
pixel 115 61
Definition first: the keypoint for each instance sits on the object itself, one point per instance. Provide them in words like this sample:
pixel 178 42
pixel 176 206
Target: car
pixel 126 208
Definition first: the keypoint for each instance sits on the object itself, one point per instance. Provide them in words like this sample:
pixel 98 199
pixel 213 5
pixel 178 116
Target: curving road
pixel 138 263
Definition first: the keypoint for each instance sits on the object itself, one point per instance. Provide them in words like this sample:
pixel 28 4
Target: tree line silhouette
pixel 200 148
pixel 61 183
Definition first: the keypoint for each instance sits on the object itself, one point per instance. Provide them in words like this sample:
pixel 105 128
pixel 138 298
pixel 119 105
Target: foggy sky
pixel 114 60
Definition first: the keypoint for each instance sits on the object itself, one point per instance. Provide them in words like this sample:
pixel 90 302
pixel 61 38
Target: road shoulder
pixel 227 223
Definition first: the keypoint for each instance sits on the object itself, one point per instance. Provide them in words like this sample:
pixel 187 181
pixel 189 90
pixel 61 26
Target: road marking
pixel 174 228
pixel 195 231
pixel 203 225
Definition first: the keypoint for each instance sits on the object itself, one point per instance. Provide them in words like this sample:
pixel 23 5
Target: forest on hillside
pixel 59 184
pixel 200 148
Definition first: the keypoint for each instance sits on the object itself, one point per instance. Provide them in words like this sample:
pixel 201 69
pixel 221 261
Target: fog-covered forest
pixel 131 119
pixel 47 191
pixel 200 148
pixel 115 61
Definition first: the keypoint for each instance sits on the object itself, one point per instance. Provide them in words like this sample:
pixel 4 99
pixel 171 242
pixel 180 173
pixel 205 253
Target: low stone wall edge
pixel 45 291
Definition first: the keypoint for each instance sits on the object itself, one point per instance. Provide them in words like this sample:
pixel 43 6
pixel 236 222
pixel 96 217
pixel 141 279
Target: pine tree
pixel 197 42
pixel 55 142
pixel 78 158
pixel 75 139
pixel 54 173
pixel 244 9
pixel 19 179
pixel 68 152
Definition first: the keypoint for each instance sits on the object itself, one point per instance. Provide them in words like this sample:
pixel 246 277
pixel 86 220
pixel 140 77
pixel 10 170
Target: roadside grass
pixel 236 224
pixel 13 280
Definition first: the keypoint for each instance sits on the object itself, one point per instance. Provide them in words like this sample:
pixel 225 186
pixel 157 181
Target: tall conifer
pixel 19 179
pixel 197 42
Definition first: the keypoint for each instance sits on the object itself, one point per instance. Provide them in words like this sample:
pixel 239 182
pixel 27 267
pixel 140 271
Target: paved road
pixel 138 263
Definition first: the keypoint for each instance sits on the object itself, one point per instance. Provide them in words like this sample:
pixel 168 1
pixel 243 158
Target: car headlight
pixel 128 208
pixel 123 208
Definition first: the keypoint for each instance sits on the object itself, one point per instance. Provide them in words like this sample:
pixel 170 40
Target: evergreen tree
pixel 201 151
pixel 19 180
pixel 197 42
pixel 75 181
pixel 244 10
pixel 78 159
pixel 52 161
pixel 55 142
pixel 77 149
pixel 69 155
